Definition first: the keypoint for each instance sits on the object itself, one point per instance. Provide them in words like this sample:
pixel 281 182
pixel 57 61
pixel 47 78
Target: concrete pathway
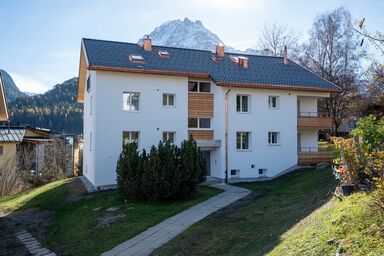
pixel 154 237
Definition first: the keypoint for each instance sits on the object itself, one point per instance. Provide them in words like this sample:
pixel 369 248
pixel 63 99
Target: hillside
pixel 56 109
pixel 12 92
pixel 353 226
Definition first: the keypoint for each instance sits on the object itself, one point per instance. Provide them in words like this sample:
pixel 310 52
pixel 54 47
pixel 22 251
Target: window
pixel 89 84
pixel 199 86
pixel 163 54
pixel 262 172
pixel 242 103
pixel 273 102
pixel 235 172
pixel 273 138
pixel 136 58
pixel 168 100
pixel 130 137
pixel 169 136
pixel 201 122
pixel 1 150
pixel 131 101
pixel 242 140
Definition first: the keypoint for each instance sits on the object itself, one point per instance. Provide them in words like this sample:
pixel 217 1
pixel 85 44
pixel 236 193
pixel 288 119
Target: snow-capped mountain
pixel 188 34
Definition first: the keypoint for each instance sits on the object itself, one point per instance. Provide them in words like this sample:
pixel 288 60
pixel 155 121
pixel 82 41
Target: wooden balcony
pixel 200 104
pixel 201 134
pixel 314 120
pixel 314 156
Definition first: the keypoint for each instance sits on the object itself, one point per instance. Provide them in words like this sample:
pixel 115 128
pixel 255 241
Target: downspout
pixel 226 135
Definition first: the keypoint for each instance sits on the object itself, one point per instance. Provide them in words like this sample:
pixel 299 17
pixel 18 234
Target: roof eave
pixel 4 116
pixel 83 67
pixel 281 87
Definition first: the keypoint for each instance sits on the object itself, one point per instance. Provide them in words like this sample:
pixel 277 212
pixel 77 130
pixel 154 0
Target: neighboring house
pixel 26 141
pixel 249 114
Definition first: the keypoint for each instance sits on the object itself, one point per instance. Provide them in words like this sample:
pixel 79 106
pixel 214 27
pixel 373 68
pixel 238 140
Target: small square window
pixel 242 103
pixel 262 172
pixel 274 138
pixel 131 101
pixel 205 87
pixel 205 123
pixel 193 86
pixel 168 100
pixel 273 102
pixel 169 136
pixel 130 137
pixel 235 172
pixel 242 140
pixel 192 122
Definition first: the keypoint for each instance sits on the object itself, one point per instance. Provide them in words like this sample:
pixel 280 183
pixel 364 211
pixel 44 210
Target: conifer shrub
pixel 168 172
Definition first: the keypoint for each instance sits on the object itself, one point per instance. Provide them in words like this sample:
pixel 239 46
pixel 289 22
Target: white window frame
pixel 130 137
pixel 198 123
pixel 167 95
pixel 277 102
pixel 167 133
pixel 241 103
pixel 128 105
pixel 278 139
pixel 198 87
pixel 242 133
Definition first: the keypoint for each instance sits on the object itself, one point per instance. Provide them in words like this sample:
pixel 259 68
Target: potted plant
pixel 346 179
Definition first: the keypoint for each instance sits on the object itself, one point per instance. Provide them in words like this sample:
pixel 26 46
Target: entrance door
pixel 207 156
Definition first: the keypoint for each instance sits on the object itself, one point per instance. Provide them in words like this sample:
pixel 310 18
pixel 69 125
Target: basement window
pixel 136 58
pixel 263 172
pixel 235 172
pixel 163 54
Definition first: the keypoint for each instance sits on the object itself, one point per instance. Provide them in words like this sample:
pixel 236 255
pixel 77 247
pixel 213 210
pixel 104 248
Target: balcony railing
pixel 314 155
pixel 314 120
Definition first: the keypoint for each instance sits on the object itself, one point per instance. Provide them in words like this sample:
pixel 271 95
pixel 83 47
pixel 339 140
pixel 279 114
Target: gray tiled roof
pixel 11 134
pixel 263 70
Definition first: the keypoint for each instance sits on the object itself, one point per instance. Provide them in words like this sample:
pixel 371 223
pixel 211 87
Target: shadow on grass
pixel 257 228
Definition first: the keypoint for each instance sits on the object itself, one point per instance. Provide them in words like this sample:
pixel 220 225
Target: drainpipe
pixel 226 135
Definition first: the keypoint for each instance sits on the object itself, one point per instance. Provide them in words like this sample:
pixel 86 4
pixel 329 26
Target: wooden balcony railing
pixel 314 120
pixel 201 134
pixel 314 155
pixel 200 104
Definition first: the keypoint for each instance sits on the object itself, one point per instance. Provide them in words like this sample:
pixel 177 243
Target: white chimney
pixel 243 61
pixel 285 55
pixel 220 49
pixel 147 43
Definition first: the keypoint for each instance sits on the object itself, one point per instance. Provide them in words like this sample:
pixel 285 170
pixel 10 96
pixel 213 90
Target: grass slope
pixel 74 230
pixel 356 221
pixel 257 228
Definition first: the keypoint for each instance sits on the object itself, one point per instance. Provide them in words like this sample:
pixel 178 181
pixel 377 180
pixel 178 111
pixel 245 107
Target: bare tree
pixel 332 53
pixel 9 178
pixel 274 37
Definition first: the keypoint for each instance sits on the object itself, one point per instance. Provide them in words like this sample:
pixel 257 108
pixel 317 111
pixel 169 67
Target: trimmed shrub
pixel 168 172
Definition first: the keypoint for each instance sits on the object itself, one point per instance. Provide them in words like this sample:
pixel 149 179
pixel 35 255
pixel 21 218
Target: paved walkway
pixel 154 237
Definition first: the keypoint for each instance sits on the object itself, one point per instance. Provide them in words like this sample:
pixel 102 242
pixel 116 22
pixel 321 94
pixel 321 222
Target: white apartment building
pixel 253 117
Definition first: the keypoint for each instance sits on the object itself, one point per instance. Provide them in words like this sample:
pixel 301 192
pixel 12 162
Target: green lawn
pixel 74 229
pixel 259 227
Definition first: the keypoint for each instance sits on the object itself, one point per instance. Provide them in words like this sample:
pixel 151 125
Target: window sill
pixel 164 106
pixel 237 112
pixel 130 111
pixel 200 129
pixel 271 108
pixel 277 144
pixel 243 150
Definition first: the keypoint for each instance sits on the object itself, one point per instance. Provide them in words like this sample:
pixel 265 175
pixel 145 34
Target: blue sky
pixel 40 40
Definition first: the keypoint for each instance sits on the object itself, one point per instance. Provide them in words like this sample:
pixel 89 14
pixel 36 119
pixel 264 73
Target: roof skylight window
pixel 136 58
pixel 234 58
pixel 163 54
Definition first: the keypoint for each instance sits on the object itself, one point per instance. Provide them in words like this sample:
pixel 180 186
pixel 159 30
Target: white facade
pixel 105 120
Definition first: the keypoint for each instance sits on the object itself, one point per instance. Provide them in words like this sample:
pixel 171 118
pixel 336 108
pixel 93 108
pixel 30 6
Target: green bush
pixel 168 172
